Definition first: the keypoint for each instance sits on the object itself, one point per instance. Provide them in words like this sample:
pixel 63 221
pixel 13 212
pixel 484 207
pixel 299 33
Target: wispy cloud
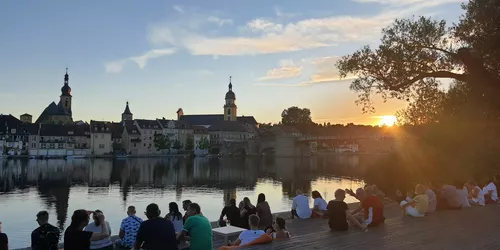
pixel 178 8
pixel 410 2
pixel 325 71
pixel 220 21
pixel 141 61
pixel 280 13
pixel 287 69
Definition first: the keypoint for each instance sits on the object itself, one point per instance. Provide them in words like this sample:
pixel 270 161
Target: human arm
pixel 122 233
pixel 411 203
pixel 104 232
pixel 33 240
pixel 4 240
pixel 185 229
pixel 237 242
pixel 222 214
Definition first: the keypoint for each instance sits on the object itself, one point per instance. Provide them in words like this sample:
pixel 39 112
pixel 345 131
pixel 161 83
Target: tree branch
pixel 435 74
pixel 438 49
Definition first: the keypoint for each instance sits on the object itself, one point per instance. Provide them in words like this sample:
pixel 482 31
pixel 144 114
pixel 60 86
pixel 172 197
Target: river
pixel 62 186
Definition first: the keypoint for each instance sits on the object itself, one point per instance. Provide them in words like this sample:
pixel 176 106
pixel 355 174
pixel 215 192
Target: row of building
pixel 55 133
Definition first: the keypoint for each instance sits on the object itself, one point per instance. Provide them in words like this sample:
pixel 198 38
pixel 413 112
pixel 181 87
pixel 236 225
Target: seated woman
pixel 279 231
pixel 490 192
pixel 476 194
pixel 320 204
pixel 419 204
pixel 462 193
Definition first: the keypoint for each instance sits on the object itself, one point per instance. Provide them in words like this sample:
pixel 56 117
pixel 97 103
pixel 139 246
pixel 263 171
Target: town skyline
pixel 180 55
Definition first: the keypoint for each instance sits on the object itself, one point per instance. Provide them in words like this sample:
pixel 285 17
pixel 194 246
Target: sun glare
pixel 387 120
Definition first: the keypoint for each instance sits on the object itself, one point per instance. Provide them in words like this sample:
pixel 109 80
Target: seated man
pixel 300 206
pixel 418 206
pixel 373 209
pixel 198 227
pixel 156 232
pixel 450 197
pixel 46 236
pixel 128 229
pixel 252 234
pixel 337 211
pixel 232 213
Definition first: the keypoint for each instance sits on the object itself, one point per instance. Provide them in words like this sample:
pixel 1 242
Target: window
pixel 66 103
pixel 107 129
pixel 60 145
pixel 34 138
pixel 229 111
pixel 101 145
pixel 33 145
pixel 70 132
pixel 135 145
pixel 96 136
pixel 52 145
pixel 144 144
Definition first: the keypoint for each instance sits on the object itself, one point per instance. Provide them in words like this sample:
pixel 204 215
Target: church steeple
pixel 66 90
pixel 230 106
pixel 65 98
pixel 127 115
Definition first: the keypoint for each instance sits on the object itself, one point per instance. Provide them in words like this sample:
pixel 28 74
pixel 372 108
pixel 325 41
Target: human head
pixel 261 198
pixel 131 211
pixel 185 204
pixel 42 217
pixel 79 219
pixel 315 194
pixel 360 192
pixel 472 183
pixel 369 190
pixel 280 223
pixel 173 208
pixel 298 192
pixel 246 202
pixel 193 209
pixel 340 194
pixel 419 189
pixel 152 211
pixel 375 188
pixel 232 202
pixel 253 221
pixel 95 216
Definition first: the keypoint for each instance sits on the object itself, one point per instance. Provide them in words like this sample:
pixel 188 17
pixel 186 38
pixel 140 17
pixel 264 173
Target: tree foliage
pixel 189 143
pixel 295 115
pixel 415 53
pixel 203 143
pixel 177 145
pixel 162 142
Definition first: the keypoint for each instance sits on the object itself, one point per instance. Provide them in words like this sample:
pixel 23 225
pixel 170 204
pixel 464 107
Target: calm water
pixel 61 186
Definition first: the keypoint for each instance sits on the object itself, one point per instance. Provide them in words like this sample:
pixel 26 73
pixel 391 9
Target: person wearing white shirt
pixel 300 206
pixel 320 204
pixel 252 234
pixel 476 195
pixel 490 192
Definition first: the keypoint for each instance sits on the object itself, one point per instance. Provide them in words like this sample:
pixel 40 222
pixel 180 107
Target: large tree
pixel 295 115
pixel 415 53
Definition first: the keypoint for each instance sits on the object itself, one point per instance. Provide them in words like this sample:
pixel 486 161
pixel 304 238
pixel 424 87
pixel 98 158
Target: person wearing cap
pixel 157 233
pixel 46 236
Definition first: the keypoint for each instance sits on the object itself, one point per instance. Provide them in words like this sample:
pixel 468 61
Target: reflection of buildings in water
pixel 100 173
pixel 294 173
pixel 229 193
pixel 55 193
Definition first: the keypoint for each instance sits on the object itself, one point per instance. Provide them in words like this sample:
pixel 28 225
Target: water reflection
pixel 60 186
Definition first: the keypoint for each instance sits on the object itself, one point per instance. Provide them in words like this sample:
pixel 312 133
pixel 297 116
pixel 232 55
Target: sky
pixel 165 55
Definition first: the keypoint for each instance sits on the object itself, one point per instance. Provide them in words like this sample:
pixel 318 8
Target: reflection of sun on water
pixel 387 120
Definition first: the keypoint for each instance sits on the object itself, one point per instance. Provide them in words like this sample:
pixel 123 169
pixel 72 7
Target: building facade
pixel 59 113
pixel 101 138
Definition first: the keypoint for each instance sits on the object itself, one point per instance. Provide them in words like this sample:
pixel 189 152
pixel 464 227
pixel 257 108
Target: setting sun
pixel 387 120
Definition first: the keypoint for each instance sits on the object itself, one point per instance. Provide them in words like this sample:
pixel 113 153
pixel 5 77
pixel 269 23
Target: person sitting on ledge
pixel 450 197
pixel 264 212
pixel 476 194
pixel 300 206
pixel 46 236
pixel 232 213
pixel 490 192
pixel 373 209
pixel 96 226
pixel 199 229
pixel 77 239
pixel 279 231
pixel 418 206
pixel 175 216
pixel 246 209
pixel 156 233
pixel 251 234
pixel 338 215
pixel 128 229
pixel 320 205
pixel 4 240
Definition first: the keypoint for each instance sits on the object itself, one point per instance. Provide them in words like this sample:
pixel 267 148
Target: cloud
pixel 262 25
pixel 118 65
pixel 280 13
pixel 219 21
pixel 325 71
pixel 178 8
pixel 287 69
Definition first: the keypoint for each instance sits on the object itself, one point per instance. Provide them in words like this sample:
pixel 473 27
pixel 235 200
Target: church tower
pixel 230 106
pixel 65 100
pixel 127 115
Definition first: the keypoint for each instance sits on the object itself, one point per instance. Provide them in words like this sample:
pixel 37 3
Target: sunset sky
pixel 165 55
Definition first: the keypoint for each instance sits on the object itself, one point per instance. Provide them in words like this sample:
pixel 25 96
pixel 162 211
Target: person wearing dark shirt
pixel 246 209
pixel 4 240
pixel 232 213
pixel 338 215
pixel 264 212
pixel 156 233
pixel 46 236
pixel 185 205
pixel 77 239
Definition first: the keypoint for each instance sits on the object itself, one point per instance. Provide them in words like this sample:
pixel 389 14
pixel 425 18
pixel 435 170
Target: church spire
pixel 66 90
pixel 230 84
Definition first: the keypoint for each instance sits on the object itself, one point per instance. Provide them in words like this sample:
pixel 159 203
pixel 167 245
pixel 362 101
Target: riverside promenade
pixel 469 228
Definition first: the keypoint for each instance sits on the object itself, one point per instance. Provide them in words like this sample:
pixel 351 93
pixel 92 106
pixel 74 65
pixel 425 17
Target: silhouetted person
pixel 232 213
pixel 264 212
pixel 46 236
pixel 4 240
pixel 77 239
pixel 128 229
pixel 156 233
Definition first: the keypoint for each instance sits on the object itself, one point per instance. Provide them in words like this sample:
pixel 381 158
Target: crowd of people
pixel 429 198
pixel 167 232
